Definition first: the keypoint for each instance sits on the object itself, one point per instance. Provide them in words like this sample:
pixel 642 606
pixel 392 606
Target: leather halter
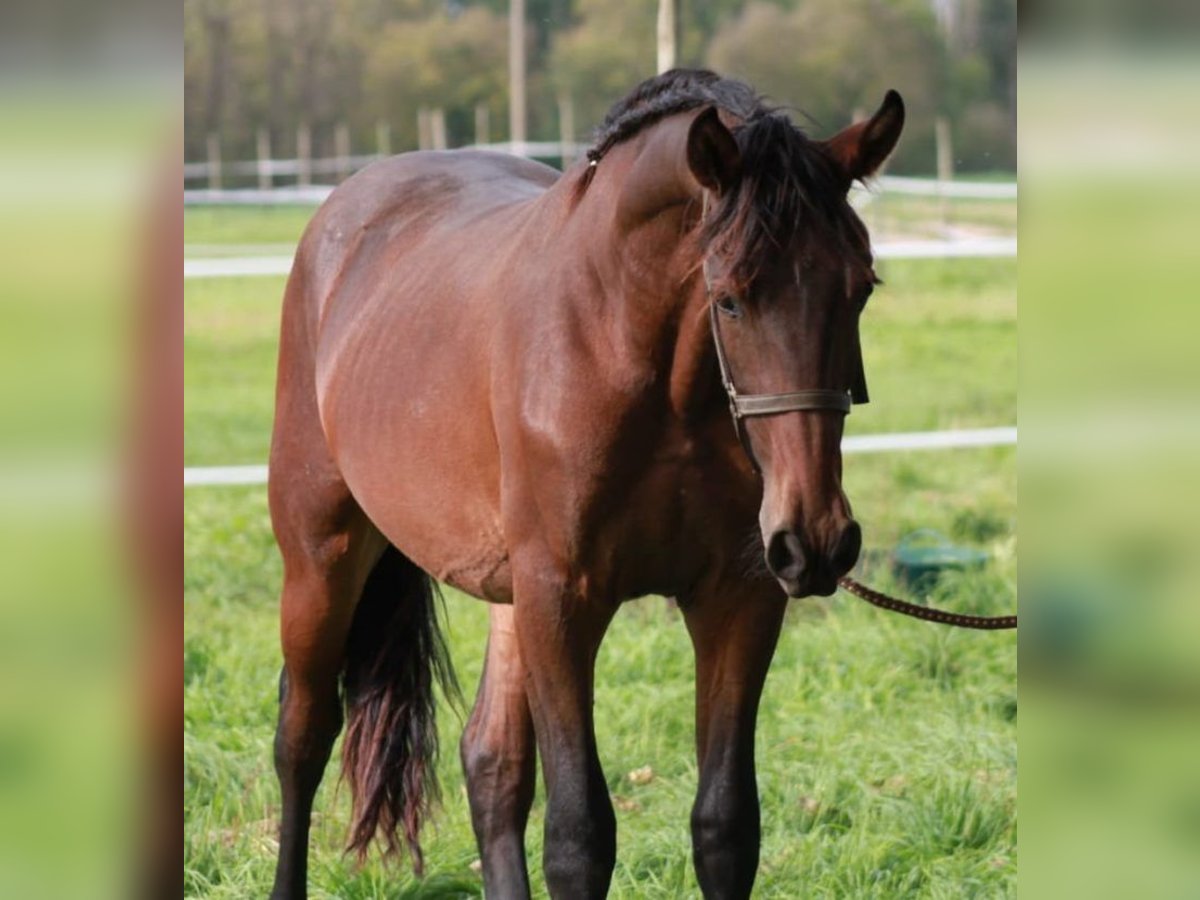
pixel 743 406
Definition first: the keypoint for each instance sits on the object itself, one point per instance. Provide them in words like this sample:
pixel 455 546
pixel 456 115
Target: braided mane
pixel 673 92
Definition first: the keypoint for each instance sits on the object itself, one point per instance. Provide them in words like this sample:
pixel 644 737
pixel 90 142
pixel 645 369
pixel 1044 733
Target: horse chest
pixel 660 527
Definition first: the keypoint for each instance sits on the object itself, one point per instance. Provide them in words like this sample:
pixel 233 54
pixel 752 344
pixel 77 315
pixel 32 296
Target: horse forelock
pixel 789 191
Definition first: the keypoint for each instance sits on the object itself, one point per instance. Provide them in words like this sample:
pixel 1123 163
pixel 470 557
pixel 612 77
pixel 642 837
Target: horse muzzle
pixel 803 569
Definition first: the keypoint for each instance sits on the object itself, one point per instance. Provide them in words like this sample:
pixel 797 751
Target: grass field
pixel 886 747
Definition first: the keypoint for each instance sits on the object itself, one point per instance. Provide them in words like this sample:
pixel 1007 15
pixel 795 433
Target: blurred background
pixel 1110 434
pixel 321 79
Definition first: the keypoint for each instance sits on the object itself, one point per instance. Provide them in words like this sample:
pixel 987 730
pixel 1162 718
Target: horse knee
pixel 725 833
pixel 500 782
pixel 481 760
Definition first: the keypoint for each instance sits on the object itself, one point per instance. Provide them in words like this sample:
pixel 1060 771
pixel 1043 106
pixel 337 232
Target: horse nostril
pixel 845 552
pixel 785 556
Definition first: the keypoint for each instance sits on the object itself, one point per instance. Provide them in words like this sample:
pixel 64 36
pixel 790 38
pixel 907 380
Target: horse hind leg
pixel 354 610
pixel 499 757
pixel 328 549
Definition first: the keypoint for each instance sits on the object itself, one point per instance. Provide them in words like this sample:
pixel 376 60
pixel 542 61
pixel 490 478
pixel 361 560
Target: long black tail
pixel 395 657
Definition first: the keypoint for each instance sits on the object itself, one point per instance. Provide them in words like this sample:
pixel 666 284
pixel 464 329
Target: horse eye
pixel 729 306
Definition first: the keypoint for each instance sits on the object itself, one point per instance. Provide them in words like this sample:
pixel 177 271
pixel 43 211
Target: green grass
pixel 886 747
pixel 890 216
pixel 245 224
pixel 231 326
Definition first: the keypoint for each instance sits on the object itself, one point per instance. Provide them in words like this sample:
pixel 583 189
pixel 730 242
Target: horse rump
pixel 396 658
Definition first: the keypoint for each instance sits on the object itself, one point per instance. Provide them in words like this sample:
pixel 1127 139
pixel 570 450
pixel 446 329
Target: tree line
pixel 325 65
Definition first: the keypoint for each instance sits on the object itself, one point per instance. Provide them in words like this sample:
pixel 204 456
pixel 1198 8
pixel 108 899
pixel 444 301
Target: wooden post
pixel 424 136
pixel 341 149
pixel 483 125
pixel 566 129
pixel 265 181
pixel 383 138
pixel 945 167
pixel 213 142
pixel 303 155
pixel 516 74
pixel 438 129
pixel 666 35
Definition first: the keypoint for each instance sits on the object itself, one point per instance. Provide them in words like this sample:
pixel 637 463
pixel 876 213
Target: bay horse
pixel 511 380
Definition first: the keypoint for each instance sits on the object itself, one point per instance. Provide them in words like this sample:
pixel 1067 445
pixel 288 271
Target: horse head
pixel 787 272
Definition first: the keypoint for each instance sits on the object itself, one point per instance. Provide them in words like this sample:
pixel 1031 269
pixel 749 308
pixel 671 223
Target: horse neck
pixel 644 257
pixel 631 234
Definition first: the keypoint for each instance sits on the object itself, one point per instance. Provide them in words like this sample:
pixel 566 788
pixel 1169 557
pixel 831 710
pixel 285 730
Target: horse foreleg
pixel 559 632
pixel 734 630
pixel 500 759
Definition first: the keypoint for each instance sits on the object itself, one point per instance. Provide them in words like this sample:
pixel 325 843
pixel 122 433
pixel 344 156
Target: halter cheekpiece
pixel 742 406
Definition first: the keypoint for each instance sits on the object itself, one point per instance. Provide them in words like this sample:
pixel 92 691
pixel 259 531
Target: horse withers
pixel 507 379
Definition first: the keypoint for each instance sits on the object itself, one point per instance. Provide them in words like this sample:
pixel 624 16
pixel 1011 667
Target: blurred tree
pixel 452 62
pixel 599 60
pixel 280 63
pixel 827 59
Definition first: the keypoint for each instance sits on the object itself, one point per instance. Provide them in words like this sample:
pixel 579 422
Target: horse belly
pixel 409 427
pixel 430 501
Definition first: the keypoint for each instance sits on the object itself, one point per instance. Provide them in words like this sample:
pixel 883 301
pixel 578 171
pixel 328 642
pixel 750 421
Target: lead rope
pixel 958 620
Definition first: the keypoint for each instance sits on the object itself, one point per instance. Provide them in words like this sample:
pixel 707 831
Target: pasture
pixel 886 747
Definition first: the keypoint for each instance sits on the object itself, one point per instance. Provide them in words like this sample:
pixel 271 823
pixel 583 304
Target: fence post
pixel 214 161
pixel 666 35
pixel 945 168
pixel 438 129
pixel 566 129
pixel 341 149
pixel 383 138
pixel 424 140
pixel 265 181
pixel 516 75
pixel 303 155
pixel 482 124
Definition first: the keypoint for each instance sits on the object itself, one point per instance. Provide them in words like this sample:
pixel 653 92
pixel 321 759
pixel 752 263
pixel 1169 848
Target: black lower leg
pixel 303 743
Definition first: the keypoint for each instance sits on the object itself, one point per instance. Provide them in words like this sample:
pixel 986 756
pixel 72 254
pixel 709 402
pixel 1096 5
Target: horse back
pixel 403 206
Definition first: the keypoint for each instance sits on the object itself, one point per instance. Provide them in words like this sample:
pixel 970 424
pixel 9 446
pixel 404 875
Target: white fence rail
pixel 962 190
pixel 285 195
pixel 231 476
pixel 267 169
pixel 965 248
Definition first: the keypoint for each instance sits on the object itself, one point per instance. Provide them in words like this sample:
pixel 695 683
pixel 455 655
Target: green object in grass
pixel 924 554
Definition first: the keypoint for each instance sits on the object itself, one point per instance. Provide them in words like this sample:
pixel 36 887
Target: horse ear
pixel 861 149
pixel 712 153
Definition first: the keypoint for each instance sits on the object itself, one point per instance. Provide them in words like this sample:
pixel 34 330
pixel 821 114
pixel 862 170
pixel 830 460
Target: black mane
pixel 788 180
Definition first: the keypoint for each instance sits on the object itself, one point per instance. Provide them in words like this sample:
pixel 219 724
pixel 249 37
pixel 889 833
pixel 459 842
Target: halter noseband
pixel 743 406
